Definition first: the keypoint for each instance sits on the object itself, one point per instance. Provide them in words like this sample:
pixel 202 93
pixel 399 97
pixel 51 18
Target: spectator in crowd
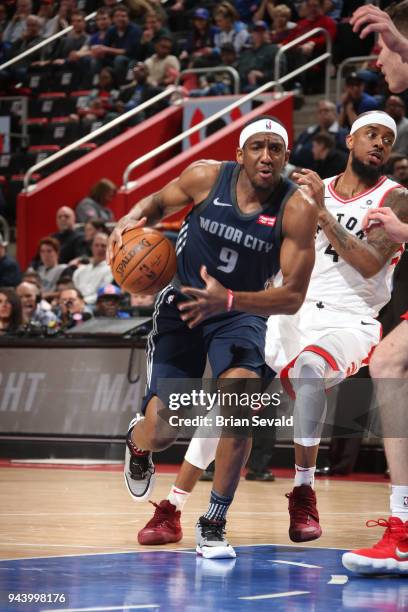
pixel 10 274
pixel 72 241
pixel 33 312
pixel 30 37
pixel 17 24
pixel 327 123
pixel 153 30
pixel 68 49
pixel 11 316
pixel 316 45
pixel 163 67
pixel 95 206
pixel 354 101
pixel 256 64
pixel 99 105
pixel 59 22
pixel 397 169
pixel 103 23
pixel 122 44
pixel 327 160
pixel 108 303
pixel 266 12
pixel 281 24
pixel 199 46
pixel 45 14
pixel 91 228
pixel 137 92
pixel 142 305
pixel 231 30
pixel 31 276
pixel 246 10
pixel 72 309
pixel 91 277
pixel 395 106
pixel 49 270
pixel 3 18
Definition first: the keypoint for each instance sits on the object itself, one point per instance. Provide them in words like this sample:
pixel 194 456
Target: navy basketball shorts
pixel 176 352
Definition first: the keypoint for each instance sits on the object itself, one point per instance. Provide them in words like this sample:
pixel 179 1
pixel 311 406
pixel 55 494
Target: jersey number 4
pixel 229 258
pixel 331 251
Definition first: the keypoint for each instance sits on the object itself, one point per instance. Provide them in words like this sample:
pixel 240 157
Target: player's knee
pixel 307 441
pixel 385 364
pixel 309 365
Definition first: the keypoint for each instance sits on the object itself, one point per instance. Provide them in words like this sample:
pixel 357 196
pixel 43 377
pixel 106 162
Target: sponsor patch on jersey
pixel 265 220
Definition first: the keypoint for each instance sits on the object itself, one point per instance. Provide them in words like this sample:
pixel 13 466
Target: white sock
pixel 399 501
pixel 178 497
pixel 304 476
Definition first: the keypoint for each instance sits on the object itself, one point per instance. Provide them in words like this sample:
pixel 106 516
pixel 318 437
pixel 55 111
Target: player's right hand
pixel 369 18
pixel 123 225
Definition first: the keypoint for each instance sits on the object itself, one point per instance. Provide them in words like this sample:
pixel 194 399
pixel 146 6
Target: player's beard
pixel 367 173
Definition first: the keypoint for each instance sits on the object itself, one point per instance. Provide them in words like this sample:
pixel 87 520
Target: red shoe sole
pixel 149 538
pixel 305 535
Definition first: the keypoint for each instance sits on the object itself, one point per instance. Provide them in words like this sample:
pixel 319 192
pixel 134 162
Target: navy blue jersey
pixel 242 251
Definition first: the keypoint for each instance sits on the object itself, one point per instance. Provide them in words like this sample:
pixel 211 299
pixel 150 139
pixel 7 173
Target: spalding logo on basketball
pixel 145 263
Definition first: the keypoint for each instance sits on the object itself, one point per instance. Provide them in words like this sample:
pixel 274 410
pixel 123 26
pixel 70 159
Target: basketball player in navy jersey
pixel 325 341
pixel 247 222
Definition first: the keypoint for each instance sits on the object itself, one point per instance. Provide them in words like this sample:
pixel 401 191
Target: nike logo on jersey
pixel 400 554
pixel 365 323
pixel 218 203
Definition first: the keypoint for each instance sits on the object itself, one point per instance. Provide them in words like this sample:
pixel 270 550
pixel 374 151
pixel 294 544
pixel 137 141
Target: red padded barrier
pixel 36 210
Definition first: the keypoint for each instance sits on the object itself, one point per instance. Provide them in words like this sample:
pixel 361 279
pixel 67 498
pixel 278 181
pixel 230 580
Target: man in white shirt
pixel 88 279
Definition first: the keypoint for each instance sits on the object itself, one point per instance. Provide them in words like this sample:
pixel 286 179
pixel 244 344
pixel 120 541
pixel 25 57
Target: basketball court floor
pixel 70 534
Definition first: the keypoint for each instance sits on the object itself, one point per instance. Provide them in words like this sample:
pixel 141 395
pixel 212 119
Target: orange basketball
pixel 145 263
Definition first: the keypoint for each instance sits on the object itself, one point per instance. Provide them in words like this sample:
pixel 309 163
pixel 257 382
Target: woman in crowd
pixel 10 311
pixel 95 206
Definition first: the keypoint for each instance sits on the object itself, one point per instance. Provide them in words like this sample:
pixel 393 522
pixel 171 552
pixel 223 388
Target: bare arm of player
pixel 192 186
pixel 370 18
pixel 296 259
pixel 367 257
pixel 386 218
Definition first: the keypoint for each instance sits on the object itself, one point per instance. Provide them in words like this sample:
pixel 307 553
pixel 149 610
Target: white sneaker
pixel 211 541
pixel 139 471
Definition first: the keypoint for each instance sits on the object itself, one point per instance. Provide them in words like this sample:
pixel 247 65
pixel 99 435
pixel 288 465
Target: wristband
pixel 230 299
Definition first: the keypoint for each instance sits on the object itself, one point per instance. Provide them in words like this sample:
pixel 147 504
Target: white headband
pixel 375 117
pixel 263 125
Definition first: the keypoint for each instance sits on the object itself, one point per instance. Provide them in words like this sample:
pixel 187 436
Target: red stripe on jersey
pixel 357 197
pixel 284 375
pixel 405 315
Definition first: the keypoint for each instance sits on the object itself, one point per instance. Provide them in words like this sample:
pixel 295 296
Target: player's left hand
pixel 311 186
pixel 386 218
pixel 207 302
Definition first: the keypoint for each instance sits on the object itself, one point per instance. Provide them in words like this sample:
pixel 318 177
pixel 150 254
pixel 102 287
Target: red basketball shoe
pixel 388 556
pixel 164 527
pixel 304 517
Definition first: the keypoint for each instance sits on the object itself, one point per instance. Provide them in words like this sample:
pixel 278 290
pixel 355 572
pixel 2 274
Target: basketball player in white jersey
pixel 321 345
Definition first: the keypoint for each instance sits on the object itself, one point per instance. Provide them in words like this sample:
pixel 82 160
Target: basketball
pixel 145 263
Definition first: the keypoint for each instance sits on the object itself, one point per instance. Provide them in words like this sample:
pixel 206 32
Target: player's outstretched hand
pixel 123 225
pixel 370 18
pixel 311 186
pixel 395 229
pixel 207 302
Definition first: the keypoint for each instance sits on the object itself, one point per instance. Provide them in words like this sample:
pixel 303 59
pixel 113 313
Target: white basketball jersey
pixel 335 282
